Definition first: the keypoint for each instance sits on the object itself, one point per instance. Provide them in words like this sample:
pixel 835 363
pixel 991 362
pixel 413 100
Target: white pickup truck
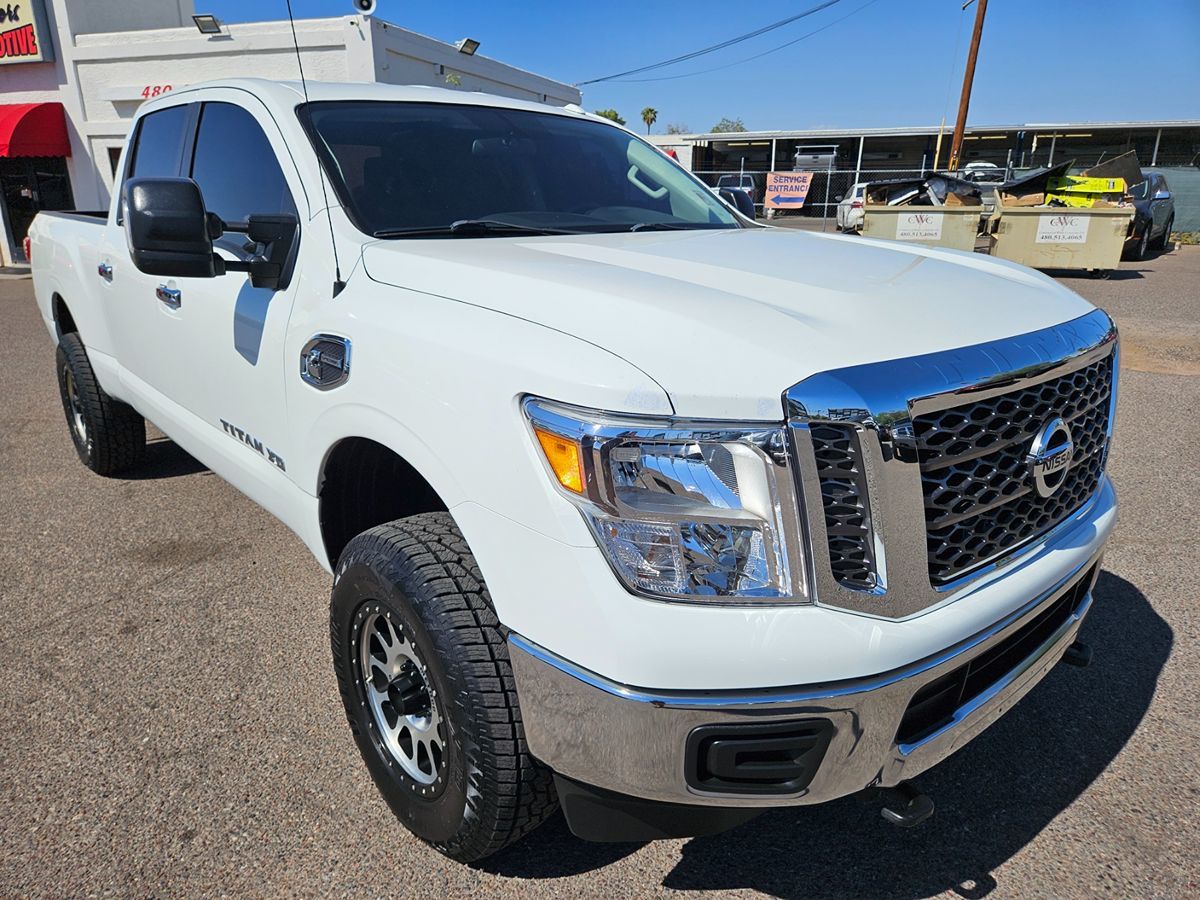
pixel 631 504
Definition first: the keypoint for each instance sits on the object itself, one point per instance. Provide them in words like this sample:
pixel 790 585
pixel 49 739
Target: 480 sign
pixel 155 90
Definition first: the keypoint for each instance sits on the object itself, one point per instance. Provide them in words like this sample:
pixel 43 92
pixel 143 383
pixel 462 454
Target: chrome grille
pixel 979 497
pixel 909 467
pixel 844 501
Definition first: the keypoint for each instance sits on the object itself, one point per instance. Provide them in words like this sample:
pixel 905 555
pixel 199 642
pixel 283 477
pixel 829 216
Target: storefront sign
pixel 24 37
pixel 786 190
pixel 919 226
pixel 1062 228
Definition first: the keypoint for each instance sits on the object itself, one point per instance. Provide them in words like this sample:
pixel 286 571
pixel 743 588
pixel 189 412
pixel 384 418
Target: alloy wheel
pixel 75 408
pixel 404 705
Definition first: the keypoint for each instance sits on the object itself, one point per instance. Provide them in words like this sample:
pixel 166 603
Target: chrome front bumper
pixel 634 742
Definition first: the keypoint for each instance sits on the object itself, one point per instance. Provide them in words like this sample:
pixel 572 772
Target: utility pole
pixel 968 79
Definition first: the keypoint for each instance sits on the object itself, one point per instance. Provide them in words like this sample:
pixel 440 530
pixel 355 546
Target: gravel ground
pixel 169 723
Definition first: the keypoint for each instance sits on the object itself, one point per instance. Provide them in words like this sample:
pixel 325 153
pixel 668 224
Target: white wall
pixel 682 148
pixel 94 16
pixel 405 57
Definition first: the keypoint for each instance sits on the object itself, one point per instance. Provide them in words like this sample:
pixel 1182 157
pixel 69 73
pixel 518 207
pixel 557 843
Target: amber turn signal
pixel 564 459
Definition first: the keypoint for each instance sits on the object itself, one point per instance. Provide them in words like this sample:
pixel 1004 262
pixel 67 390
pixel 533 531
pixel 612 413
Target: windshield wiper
pixel 661 226
pixel 679 226
pixel 471 228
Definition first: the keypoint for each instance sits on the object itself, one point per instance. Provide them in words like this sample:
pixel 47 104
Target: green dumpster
pixel 953 227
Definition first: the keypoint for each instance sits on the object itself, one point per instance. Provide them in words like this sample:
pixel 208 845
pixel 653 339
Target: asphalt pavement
pixel 170 725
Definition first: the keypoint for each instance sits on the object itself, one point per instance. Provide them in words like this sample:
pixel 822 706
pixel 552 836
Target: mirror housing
pixel 272 244
pixel 168 229
pixel 740 201
pixel 1162 195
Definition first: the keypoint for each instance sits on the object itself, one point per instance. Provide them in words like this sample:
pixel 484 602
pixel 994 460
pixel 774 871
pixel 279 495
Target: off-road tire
pixel 420 573
pixel 109 436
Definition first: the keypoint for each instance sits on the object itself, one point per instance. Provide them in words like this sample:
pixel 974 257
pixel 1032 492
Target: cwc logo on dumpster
pixel 21 32
pixel 919 226
pixel 1061 228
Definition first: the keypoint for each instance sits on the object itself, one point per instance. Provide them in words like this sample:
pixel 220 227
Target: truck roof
pixel 291 93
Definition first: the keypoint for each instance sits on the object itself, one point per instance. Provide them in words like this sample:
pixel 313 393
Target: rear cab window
pixel 158 146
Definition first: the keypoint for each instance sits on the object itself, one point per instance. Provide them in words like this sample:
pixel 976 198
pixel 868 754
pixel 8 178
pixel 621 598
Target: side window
pixel 236 167
pixel 159 147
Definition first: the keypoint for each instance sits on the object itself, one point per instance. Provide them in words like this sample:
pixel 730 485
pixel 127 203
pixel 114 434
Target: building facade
pixel 842 157
pixel 74 72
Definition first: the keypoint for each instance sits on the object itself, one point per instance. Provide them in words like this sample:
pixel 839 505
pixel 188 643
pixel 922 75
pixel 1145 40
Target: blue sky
pixel 892 63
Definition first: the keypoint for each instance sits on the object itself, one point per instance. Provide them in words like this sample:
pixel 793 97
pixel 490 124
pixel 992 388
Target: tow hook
pixel 905 806
pixel 1078 654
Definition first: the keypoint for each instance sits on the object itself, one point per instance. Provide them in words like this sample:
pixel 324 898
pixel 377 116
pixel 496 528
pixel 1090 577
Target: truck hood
pixel 726 321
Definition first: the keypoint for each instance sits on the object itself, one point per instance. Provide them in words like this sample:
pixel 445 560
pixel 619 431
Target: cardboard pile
pixel 1103 185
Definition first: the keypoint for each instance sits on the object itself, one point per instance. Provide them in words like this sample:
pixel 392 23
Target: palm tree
pixel 649 116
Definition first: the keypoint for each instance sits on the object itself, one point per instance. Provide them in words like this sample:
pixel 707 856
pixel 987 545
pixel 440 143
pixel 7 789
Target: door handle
pixel 104 270
pixel 172 297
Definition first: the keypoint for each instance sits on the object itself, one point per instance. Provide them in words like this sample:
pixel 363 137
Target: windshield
pixel 1138 191
pixel 427 167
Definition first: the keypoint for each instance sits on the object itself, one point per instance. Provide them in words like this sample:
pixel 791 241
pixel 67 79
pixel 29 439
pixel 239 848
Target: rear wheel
pixel 109 436
pixel 1165 240
pixel 423 669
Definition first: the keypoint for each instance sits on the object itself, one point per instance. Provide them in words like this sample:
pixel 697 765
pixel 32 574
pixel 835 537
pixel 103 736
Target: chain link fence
pixel 1183 180
pixel 827 188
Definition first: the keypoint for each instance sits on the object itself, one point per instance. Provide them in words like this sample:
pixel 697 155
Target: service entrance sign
pixel 919 226
pixel 786 190
pixel 24 37
pixel 1062 228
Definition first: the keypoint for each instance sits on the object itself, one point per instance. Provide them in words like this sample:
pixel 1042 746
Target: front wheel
pixel 423 669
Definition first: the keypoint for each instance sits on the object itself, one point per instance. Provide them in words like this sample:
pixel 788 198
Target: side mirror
pixel 170 233
pixel 838 197
pixel 739 200
pixel 168 229
pixel 1162 195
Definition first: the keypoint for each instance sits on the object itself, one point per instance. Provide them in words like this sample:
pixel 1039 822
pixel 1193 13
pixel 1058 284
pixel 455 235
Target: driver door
pixel 231 367
pixel 206 355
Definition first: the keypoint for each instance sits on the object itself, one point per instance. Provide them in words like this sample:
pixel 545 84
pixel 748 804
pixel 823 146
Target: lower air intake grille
pixel 844 499
pixel 933 707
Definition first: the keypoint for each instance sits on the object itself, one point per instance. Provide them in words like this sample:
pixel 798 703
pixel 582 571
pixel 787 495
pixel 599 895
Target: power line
pixel 756 55
pixel 721 46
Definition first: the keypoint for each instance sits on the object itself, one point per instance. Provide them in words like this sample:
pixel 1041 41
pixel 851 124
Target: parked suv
pixel 1153 218
pixel 850 208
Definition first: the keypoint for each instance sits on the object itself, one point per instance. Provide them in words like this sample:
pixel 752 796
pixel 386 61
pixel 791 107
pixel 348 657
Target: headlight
pixel 701 511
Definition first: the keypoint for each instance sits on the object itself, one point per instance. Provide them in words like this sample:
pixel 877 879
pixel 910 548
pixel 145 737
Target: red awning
pixel 33 129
